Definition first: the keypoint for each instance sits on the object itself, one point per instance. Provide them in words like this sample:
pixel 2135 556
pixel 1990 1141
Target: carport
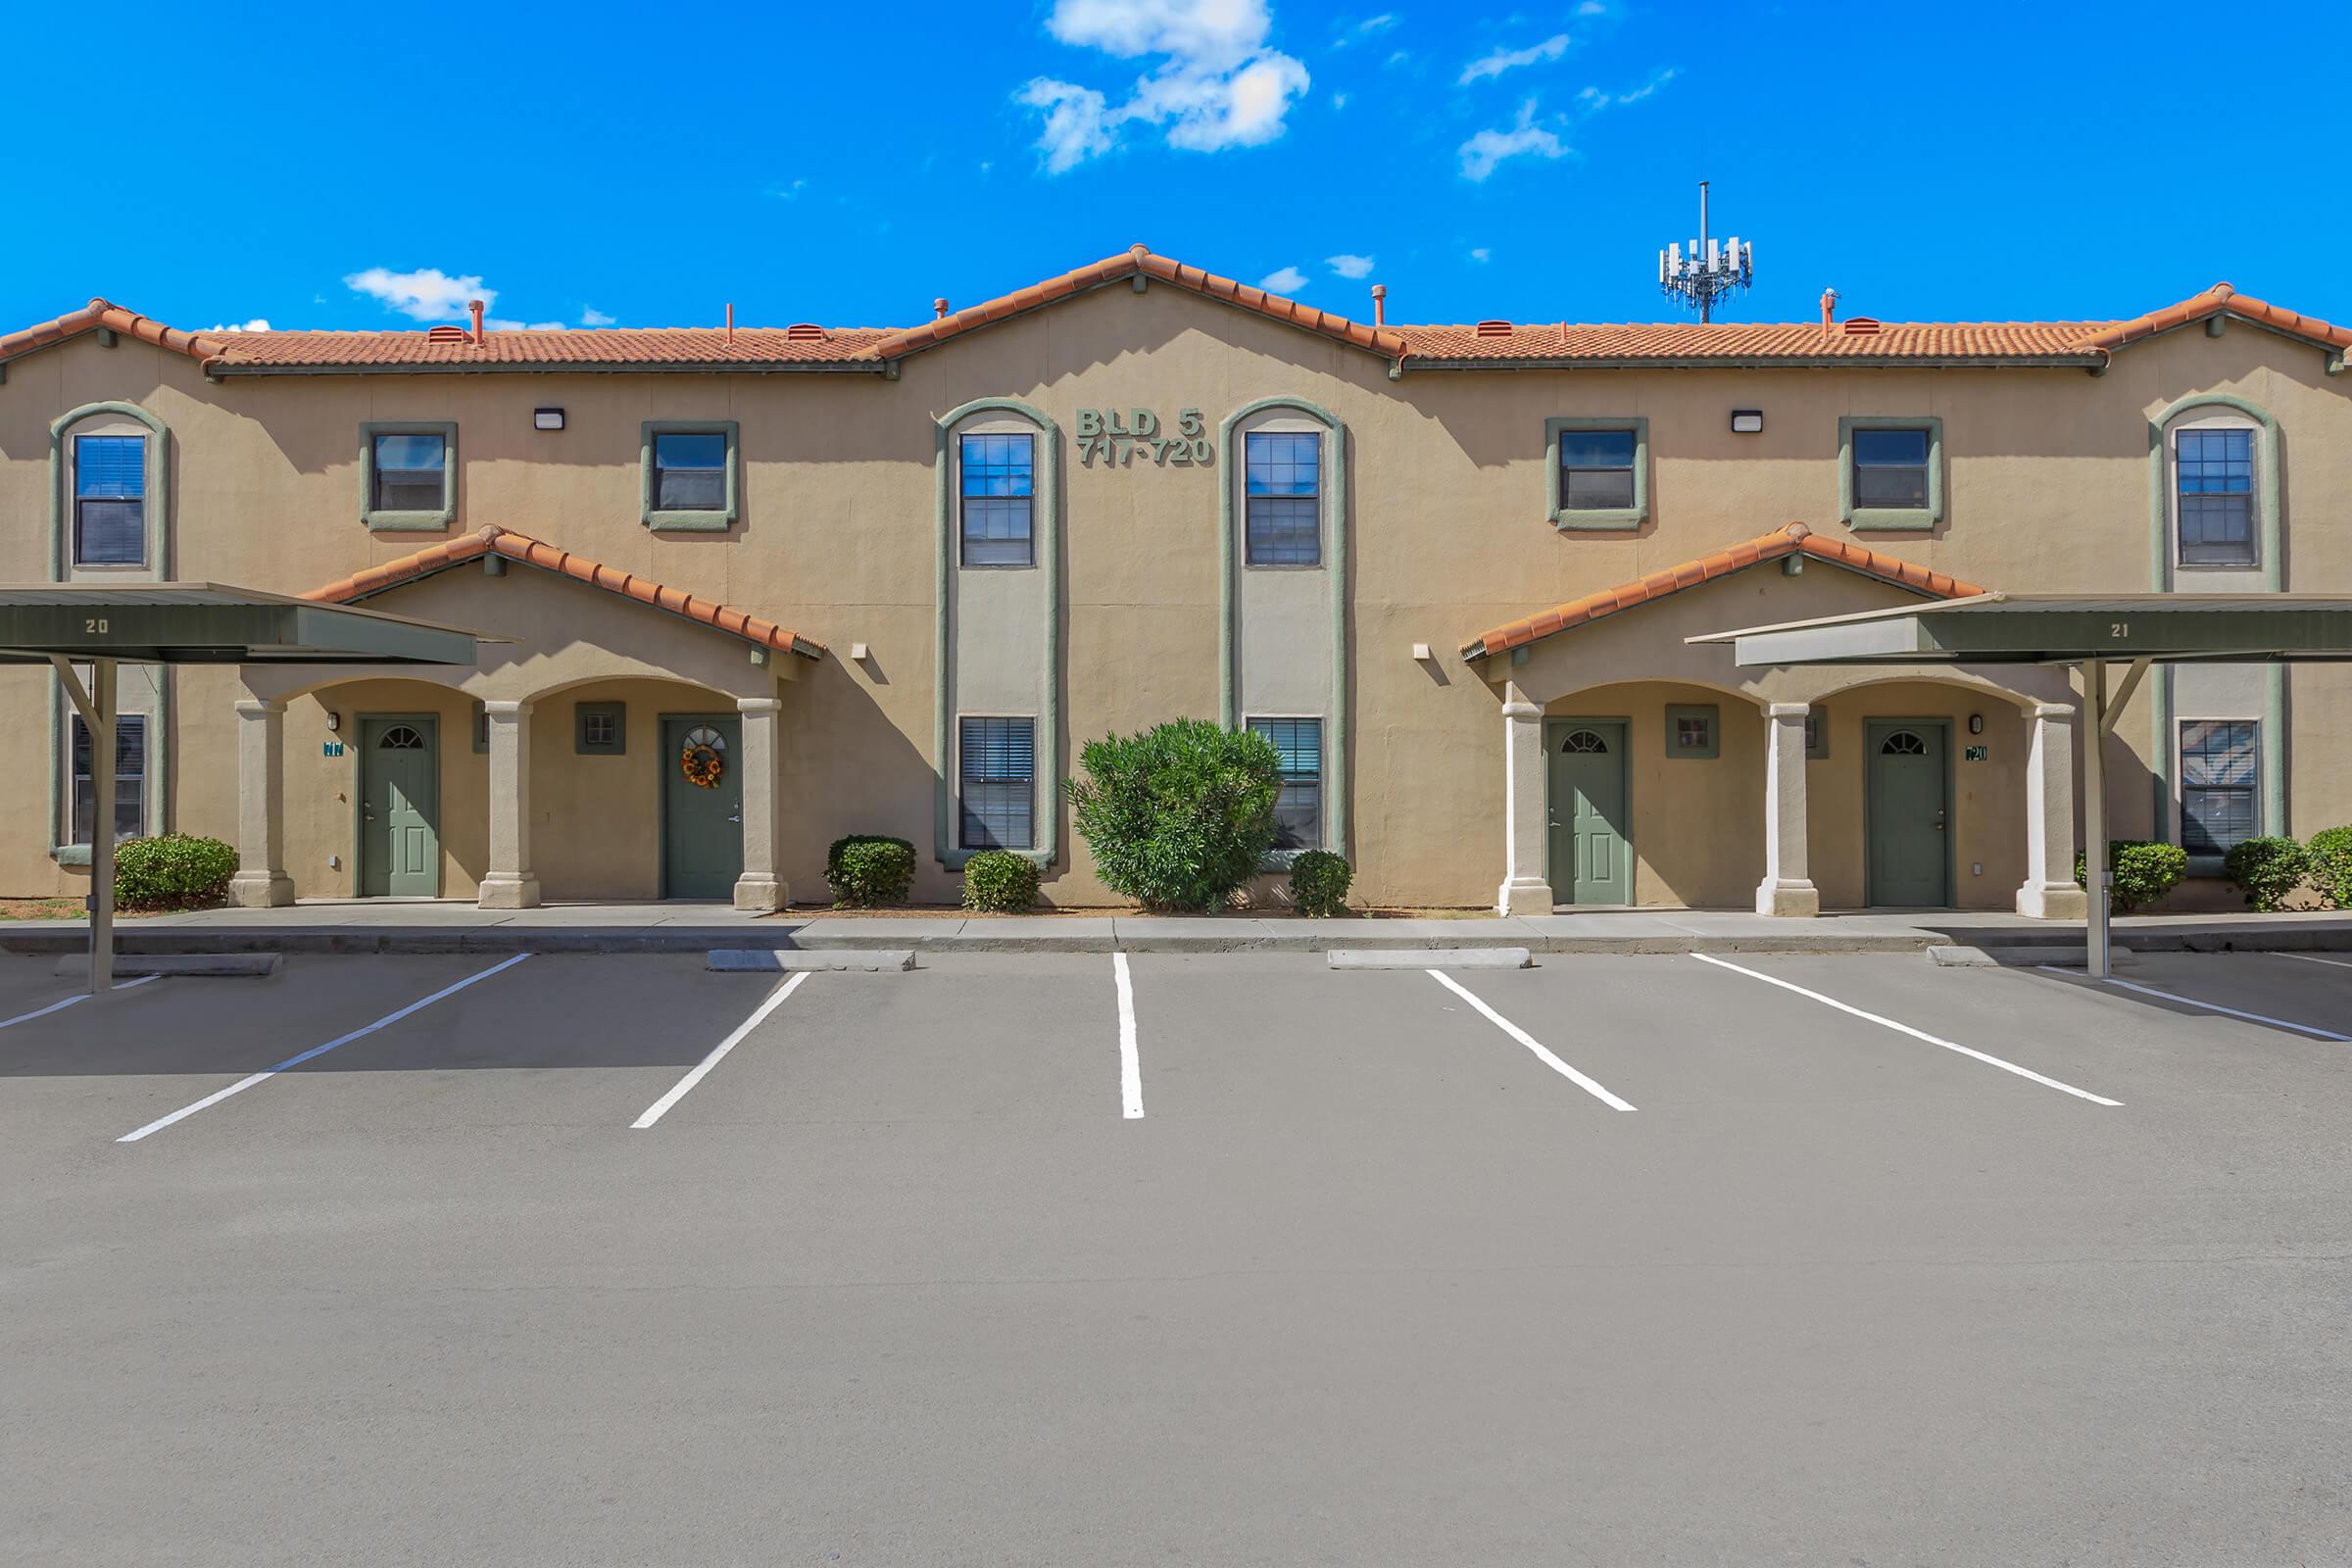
pixel 104 625
pixel 2134 630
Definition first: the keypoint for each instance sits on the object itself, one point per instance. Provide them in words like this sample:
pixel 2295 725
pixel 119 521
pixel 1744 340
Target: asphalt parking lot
pixel 1234 1259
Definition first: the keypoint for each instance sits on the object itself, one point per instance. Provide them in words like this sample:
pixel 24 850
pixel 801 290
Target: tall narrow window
pixel 412 474
pixel 2220 774
pixel 997 768
pixel 1299 809
pixel 1891 469
pixel 110 500
pixel 690 470
pixel 998 483
pixel 2213 488
pixel 130 775
pixel 1596 469
pixel 1284 499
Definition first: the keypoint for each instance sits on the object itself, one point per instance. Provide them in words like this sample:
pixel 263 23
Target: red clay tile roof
pixel 876 349
pixel 532 552
pixel 1795 539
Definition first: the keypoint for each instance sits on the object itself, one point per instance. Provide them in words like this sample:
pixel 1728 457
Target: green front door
pixel 1909 813
pixel 702 823
pixel 1592 839
pixel 400 807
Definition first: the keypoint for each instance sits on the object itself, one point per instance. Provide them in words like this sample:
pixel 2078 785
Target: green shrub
pixel 1319 883
pixel 173 872
pixel 1000 882
pixel 2143 872
pixel 866 869
pixel 2265 870
pixel 2330 853
pixel 1178 816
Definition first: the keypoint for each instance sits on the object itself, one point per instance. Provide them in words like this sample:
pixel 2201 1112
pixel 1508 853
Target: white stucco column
pixel 1527 807
pixel 509 883
pixel 760 888
pixel 1787 885
pixel 2049 891
pixel 261 880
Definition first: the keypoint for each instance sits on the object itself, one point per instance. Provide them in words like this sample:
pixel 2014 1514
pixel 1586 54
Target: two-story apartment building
pixel 759 588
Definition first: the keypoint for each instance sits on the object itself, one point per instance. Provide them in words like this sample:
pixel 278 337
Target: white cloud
pixel 1503 60
pixel 1592 7
pixel 787 190
pixel 1369 28
pixel 1593 100
pixel 590 316
pixel 1482 153
pixel 259 324
pixel 426 295
pixel 1218 86
pixel 1398 58
pixel 1288 280
pixel 1339 100
pixel 1350 265
pixel 1480 253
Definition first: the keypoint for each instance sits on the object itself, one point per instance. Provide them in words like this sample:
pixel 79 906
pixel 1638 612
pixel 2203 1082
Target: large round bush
pixel 173 871
pixel 1000 882
pixel 2265 870
pixel 866 869
pixel 1180 815
pixel 2143 872
pixel 2330 858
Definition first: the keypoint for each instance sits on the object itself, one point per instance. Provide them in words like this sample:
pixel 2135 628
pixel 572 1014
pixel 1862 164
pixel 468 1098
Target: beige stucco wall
pixel 2047 488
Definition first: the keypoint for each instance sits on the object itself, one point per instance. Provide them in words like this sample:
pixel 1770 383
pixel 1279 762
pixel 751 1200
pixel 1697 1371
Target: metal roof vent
pixel 448 334
pixel 805 332
pixel 1860 326
pixel 1493 329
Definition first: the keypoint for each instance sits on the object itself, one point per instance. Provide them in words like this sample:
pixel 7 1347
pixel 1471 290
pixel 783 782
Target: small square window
pixel 1891 472
pixel 407 475
pixel 1599 471
pixel 1890 467
pixel 1692 731
pixel 691 476
pixel 601 729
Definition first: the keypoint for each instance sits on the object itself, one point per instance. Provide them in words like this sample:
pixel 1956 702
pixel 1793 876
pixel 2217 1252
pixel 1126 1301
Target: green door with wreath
pixel 702 805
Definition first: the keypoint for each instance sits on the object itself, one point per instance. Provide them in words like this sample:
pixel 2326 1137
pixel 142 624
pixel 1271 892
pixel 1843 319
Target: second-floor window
pixel 997 486
pixel 110 500
pixel 1596 469
pixel 1284 496
pixel 2213 477
pixel 690 470
pixel 412 474
pixel 1891 469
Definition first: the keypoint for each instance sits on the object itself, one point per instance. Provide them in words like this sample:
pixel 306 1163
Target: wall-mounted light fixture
pixel 1976 723
pixel 1747 422
pixel 1421 653
pixel 547 419
pixel 858 653
pixel 334 722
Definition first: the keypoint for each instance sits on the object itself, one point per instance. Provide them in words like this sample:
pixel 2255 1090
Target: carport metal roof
pixel 2003 628
pixel 207 623
pixel 2134 630
pixel 188 623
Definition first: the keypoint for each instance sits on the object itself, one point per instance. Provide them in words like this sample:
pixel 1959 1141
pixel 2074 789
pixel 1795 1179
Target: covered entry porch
pixel 624 741
pixel 1642 771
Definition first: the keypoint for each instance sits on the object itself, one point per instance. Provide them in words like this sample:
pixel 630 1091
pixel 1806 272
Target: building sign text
pixel 1119 435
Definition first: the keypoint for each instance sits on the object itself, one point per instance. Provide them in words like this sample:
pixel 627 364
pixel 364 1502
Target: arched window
pixel 400 737
pixel 1583 741
pixel 1902 743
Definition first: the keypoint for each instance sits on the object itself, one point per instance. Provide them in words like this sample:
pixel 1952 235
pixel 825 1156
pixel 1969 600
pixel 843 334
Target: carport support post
pixel 2095 812
pixel 759 887
pixel 1787 885
pixel 2049 891
pixel 1527 807
pixel 509 884
pixel 261 881
pixel 97 709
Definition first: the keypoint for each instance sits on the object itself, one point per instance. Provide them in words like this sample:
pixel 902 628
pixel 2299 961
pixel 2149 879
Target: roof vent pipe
pixel 1380 305
pixel 939 309
pixel 475 305
pixel 1829 310
pixel 730 324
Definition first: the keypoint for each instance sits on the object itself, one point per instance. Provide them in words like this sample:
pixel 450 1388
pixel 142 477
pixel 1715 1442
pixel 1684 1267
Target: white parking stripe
pixel 79 996
pixel 389 1019
pixel 2215 1006
pixel 1131 1063
pixel 1906 1029
pixel 2312 958
pixel 1530 1042
pixel 660 1107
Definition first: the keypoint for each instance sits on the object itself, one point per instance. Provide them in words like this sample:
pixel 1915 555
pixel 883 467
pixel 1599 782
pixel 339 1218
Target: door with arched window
pixel 1591 842
pixel 1908 812
pixel 400 806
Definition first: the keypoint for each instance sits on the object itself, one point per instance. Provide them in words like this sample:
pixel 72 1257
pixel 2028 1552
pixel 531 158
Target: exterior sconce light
pixel 1976 723
pixel 334 722
pixel 547 419
pixel 1747 422
pixel 858 653
pixel 1421 653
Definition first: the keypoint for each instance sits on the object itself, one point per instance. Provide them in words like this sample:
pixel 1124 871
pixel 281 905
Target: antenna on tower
pixel 1712 270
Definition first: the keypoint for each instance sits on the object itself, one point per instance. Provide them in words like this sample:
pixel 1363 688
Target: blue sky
pixel 342 167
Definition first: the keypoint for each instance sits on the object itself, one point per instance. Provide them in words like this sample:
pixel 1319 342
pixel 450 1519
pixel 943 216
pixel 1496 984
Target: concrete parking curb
pixel 786 960
pixel 211 965
pixel 1428 959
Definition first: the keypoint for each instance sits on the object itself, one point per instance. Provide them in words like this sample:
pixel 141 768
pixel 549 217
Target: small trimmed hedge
pixel 173 871
pixel 2144 872
pixel 1319 883
pixel 866 869
pixel 1000 882
pixel 2265 870
pixel 2329 856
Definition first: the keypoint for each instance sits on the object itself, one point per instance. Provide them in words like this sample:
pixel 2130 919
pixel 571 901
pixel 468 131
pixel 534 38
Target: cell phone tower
pixel 1710 271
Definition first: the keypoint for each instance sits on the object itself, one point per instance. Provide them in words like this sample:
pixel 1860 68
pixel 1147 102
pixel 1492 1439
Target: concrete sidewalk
pixel 453 926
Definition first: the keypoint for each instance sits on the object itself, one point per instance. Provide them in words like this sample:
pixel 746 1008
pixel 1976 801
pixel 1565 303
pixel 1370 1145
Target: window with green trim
pixel 1298 808
pixel 998 481
pixel 2213 492
pixel 690 470
pixel 997 782
pixel 131 779
pixel 110 500
pixel 601 729
pixel 1596 469
pixel 1283 498
pixel 412 472
pixel 1891 469
pixel 1692 730
pixel 2220 775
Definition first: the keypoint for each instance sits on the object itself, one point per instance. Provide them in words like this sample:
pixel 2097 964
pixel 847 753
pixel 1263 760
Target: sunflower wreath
pixel 703 766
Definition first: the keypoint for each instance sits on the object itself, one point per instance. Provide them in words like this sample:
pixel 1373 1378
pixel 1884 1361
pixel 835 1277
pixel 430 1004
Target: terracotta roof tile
pixel 104 313
pixel 1795 539
pixel 548 558
pixel 2221 300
